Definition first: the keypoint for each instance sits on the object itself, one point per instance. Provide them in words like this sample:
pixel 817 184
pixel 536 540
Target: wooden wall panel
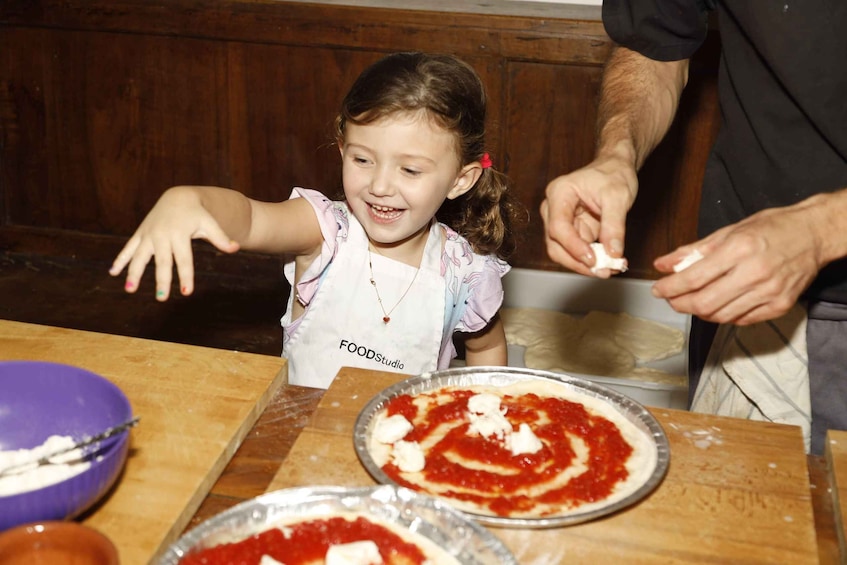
pixel 551 111
pixel 24 172
pixel 103 105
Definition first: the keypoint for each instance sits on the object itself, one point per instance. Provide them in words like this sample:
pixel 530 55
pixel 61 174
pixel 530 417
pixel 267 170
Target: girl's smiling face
pixel 397 172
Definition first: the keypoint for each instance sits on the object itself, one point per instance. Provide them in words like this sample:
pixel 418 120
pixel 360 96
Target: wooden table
pixel 836 456
pixel 722 497
pixel 327 410
pixel 748 499
pixel 196 406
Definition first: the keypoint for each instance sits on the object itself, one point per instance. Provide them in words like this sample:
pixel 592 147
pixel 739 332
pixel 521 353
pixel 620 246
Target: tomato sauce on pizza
pixel 307 542
pixel 585 455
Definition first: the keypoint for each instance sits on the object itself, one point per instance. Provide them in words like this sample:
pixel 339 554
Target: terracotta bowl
pixel 56 543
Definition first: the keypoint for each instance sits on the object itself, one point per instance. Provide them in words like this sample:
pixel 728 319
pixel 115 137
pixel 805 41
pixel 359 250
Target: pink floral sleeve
pixel 333 220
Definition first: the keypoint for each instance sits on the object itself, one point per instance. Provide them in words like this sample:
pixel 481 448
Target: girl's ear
pixel 465 180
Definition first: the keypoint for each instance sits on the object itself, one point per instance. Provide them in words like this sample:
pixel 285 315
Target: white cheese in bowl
pixel 34 477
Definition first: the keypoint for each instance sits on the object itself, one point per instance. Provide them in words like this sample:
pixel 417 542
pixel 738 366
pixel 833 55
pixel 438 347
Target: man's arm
pixel 639 99
pixel 638 102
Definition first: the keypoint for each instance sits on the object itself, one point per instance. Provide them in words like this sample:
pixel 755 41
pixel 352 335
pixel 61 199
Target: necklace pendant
pixel 386 319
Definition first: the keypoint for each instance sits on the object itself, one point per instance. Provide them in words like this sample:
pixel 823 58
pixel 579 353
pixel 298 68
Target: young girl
pixel 377 282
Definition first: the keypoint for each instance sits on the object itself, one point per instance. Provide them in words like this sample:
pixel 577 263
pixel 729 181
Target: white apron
pixel 759 372
pixel 343 325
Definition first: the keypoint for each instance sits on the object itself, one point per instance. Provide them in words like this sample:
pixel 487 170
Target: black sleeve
pixel 663 30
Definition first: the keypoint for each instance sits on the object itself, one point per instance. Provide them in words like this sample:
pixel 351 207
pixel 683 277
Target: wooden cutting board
pixel 836 462
pixel 736 491
pixel 196 404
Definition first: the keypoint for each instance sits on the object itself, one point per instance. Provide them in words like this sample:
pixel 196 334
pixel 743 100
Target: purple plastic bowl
pixel 38 400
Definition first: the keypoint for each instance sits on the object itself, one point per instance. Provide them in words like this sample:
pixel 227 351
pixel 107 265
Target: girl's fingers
pixel 184 259
pixel 124 256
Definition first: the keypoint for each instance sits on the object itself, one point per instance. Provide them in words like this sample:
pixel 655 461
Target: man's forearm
pixel 639 99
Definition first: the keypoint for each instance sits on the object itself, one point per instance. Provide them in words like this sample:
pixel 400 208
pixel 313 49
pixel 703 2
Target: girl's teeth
pixel 385 212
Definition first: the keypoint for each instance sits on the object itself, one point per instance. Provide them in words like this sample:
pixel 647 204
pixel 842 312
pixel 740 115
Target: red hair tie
pixel 485 162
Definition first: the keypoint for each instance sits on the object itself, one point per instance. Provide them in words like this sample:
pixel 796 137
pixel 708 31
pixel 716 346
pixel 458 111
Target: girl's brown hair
pixel 450 92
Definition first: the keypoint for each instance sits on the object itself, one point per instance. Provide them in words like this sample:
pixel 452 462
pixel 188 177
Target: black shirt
pixel 783 95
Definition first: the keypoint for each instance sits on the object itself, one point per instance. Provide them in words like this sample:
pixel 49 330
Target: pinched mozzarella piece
pixel 354 553
pixel 602 260
pixel 408 456
pixel 486 417
pixel 391 429
pixel 268 560
pixel 523 441
pixel 688 260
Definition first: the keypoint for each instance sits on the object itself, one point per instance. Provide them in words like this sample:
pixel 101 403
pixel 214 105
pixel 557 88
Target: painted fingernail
pixel 160 293
pixel 184 290
pixel 129 285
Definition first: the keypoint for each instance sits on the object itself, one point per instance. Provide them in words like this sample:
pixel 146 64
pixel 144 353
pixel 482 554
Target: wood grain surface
pixel 736 491
pixel 836 458
pixel 196 405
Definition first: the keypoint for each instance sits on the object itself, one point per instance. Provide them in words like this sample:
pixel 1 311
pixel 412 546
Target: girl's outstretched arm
pixel 487 346
pixel 225 218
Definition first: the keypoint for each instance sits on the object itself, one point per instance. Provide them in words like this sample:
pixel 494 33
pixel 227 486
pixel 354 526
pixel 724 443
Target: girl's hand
pixel 166 233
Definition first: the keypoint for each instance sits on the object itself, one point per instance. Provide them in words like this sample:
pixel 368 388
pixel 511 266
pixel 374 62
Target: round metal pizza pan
pixel 502 376
pixel 421 515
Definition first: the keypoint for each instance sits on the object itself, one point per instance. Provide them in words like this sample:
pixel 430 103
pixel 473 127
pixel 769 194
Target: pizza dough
pixel 458 459
pixel 595 355
pixel 527 326
pixel 648 341
pixel 599 343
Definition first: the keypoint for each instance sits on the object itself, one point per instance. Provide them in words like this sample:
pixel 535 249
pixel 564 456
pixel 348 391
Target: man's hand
pixel 585 206
pixel 752 271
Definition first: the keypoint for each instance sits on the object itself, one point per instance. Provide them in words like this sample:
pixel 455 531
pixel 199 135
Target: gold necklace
pixel 386 316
